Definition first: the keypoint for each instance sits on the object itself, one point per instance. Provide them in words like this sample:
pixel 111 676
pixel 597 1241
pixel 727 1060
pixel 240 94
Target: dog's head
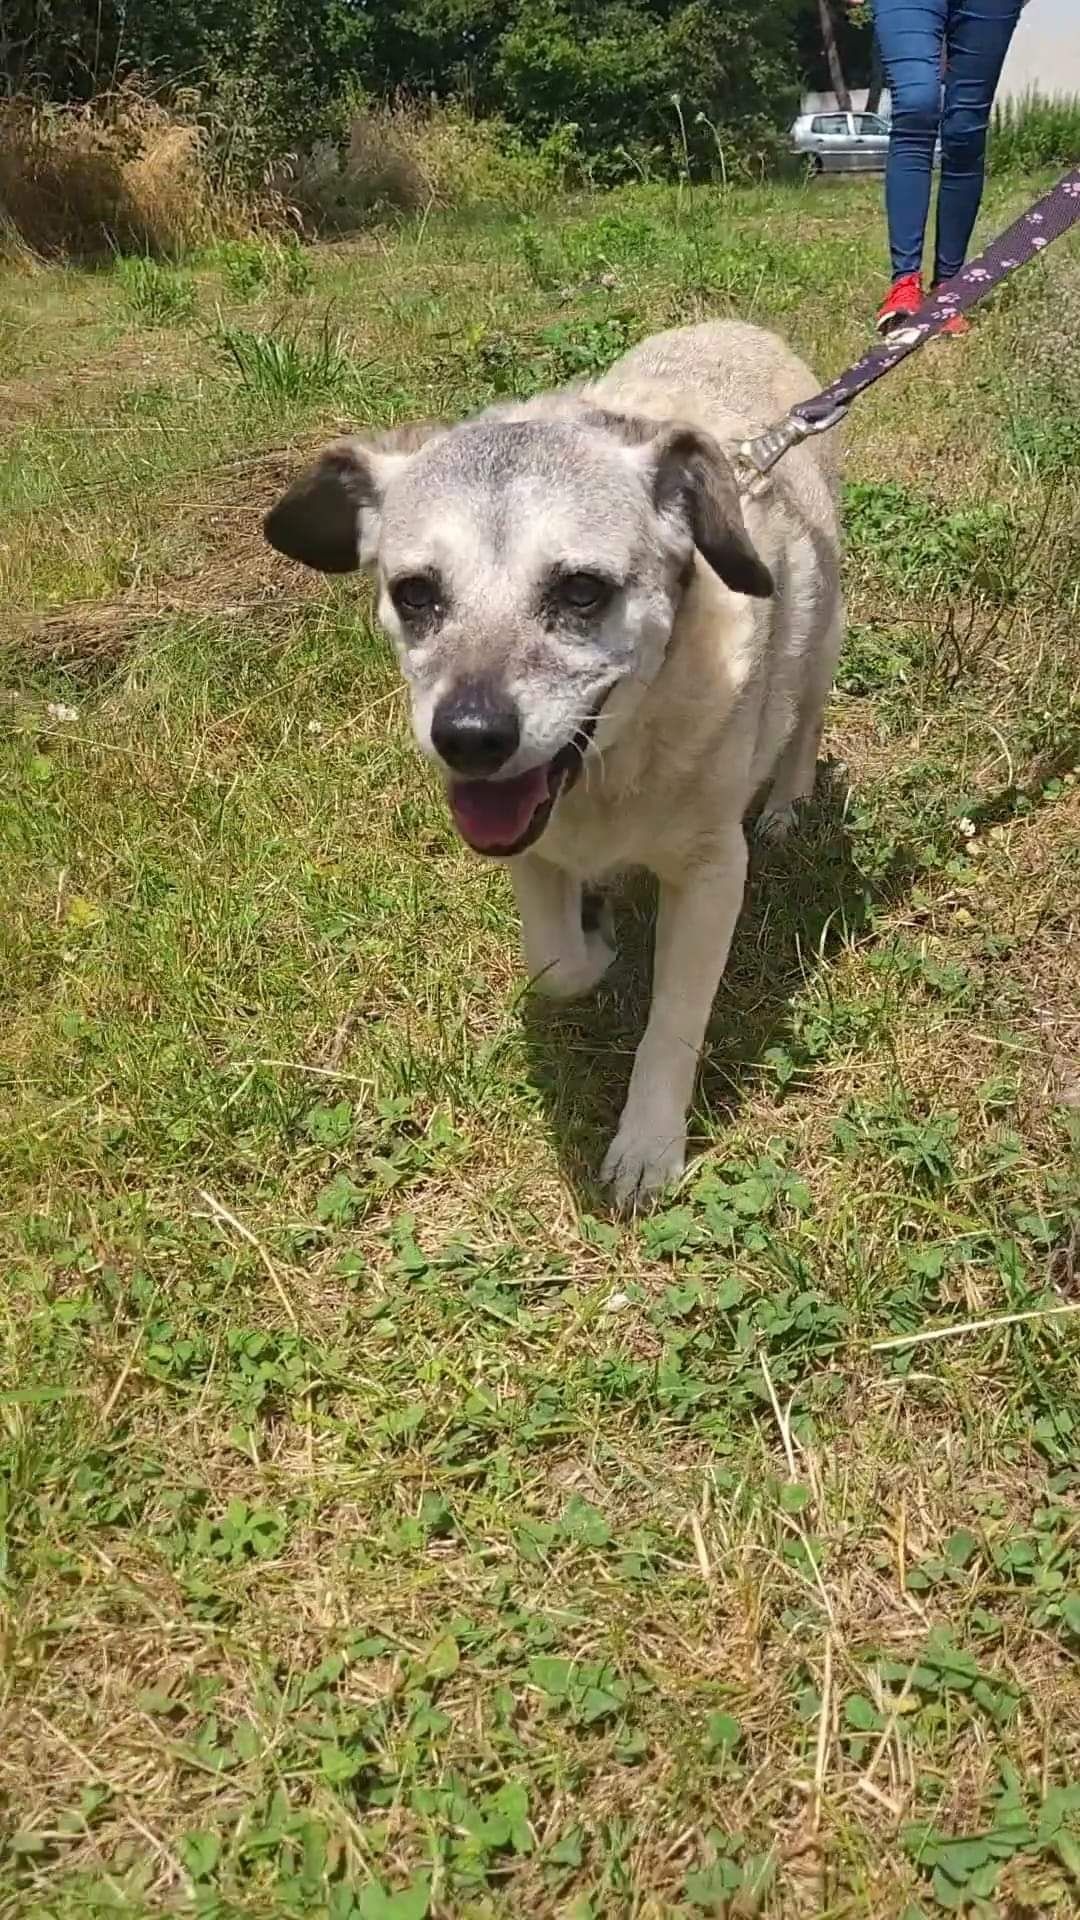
pixel 527 567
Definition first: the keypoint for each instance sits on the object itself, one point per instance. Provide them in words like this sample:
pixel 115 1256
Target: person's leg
pixel 910 35
pixel 977 39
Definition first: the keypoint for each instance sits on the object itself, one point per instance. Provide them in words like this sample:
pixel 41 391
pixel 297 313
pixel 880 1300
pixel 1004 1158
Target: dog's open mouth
pixel 504 817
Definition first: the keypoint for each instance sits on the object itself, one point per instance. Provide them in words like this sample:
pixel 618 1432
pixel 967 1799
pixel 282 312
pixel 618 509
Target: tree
pixel 832 55
pixel 877 79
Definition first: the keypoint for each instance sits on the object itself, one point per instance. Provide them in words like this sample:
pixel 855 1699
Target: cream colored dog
pixel 609 657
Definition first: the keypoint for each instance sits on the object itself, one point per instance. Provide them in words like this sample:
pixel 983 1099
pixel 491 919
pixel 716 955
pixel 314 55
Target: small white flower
pixel 56 710
pixel 967 827
pixel 314 726
pixel 615 1302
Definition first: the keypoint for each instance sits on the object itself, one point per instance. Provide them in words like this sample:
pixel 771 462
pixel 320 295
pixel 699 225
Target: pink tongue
pixel 495 813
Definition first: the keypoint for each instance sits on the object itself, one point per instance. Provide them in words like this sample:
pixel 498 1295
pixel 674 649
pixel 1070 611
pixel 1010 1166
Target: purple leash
pixel 1047 220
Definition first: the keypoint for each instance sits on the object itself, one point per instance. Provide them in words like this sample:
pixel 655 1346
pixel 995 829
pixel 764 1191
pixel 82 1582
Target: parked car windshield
pixel 870 123
pixel 829 123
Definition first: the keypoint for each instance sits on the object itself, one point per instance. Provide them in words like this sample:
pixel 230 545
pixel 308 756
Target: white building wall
pixel 1044 58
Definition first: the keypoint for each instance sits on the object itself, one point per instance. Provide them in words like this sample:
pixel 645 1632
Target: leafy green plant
pixel 878 657
pixel 542 260
pixel 583 352
pixel 943 1670
pixel 922 1146
pixel 1043 439
pixel 965 1869
pixel 733 1871
pixel 240 1534
pixel 923 545
pixel 259 266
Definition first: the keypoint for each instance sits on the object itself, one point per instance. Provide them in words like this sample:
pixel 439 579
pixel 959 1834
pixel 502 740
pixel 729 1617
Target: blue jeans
pixel 911 33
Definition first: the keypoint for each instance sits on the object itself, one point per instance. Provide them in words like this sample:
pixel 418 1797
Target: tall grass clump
pixel 402 158
pixel 156 295
pixel 278 368
pixel 1031 132
pixel 261 264
pixel 123 174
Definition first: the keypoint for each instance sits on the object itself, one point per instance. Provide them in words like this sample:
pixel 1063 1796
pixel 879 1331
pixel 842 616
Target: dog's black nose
pixel 476 729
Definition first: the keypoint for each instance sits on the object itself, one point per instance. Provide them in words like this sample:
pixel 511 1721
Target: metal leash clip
pixel 755 459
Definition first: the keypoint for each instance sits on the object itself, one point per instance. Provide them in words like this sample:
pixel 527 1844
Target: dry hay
pixel 123 174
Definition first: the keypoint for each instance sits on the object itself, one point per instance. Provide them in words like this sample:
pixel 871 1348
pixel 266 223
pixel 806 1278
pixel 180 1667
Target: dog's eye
pixel 584 592
pixel 415 593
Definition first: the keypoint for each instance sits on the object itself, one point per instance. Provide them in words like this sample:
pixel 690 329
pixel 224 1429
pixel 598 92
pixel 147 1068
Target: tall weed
pixel 158 296
pixel 1032 132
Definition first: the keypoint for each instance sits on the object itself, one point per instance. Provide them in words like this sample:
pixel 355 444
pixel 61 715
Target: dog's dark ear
pixel 693 471
pixel 691 476
pixel 320 519
pixel 329 518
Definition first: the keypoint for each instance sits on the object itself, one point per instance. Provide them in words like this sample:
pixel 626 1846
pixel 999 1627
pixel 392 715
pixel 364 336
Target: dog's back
pixel 732 369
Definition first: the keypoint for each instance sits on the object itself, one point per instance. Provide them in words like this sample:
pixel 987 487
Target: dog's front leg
pixel 563 959
pixel 693 933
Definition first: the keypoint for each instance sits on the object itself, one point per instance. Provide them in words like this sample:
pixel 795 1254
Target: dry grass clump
pixel 127 173
pixel 124 173
pixel 404 157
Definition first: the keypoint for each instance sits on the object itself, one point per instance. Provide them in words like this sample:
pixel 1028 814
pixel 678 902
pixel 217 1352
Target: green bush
pixel 406 158
pixel 258 266
pixel 644 87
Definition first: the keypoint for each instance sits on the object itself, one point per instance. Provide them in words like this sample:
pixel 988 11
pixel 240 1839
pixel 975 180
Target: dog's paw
pixel 642 1160
pixel 570 979
pixel 775 823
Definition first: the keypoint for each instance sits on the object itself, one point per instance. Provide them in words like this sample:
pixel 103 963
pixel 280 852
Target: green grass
pixel 387 1530
pixel 156 295
pixel 282 368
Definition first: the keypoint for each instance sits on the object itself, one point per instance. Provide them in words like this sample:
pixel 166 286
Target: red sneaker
pixel 905 295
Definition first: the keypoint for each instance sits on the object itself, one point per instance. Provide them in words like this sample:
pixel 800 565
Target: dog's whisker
pixel 593 757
